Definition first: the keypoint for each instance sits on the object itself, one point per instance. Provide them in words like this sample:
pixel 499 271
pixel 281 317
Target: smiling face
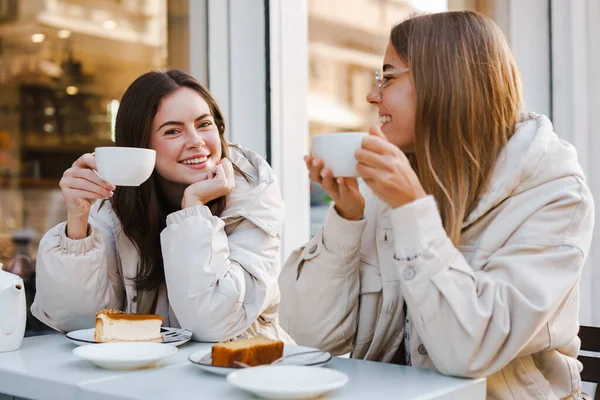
pixel 185 137
pixel 397 103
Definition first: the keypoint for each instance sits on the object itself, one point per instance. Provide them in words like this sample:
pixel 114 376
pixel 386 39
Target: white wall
pixel 237 69
pixel 526 27
pixel 576 82
pixel 289 115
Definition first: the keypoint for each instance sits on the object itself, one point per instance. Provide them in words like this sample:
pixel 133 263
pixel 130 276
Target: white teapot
pixel 13 312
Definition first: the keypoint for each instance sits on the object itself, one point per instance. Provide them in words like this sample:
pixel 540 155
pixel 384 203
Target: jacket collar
pixel 258 201
pixel 526 161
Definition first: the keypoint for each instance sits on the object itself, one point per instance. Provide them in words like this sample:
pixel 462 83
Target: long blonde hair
pixel 468 97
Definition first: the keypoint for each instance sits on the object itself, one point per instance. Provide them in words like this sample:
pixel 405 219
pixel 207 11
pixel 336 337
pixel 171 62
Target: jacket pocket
pixel 369 302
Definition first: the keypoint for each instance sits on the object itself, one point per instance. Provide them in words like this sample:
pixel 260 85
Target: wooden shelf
pixel 65 148
pixel 24 183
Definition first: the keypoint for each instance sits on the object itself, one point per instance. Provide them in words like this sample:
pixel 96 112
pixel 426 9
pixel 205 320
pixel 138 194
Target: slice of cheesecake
pixel 253 351
pixel 116 326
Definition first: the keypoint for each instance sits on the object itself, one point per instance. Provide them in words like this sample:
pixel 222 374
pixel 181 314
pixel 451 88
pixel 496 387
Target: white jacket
pixel 503 305
pixel 220 273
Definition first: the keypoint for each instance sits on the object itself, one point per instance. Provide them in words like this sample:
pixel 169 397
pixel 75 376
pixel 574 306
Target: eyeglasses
pixel 381 82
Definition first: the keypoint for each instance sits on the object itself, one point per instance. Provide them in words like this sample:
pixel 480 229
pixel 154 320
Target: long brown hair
pixel 468 97
pixel 143 210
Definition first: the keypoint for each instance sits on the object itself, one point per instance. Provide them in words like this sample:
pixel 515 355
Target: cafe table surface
pixel 45 368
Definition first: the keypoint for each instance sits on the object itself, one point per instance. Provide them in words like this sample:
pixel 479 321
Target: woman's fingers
pixel 315 167
pixel 230 174
pixel 224 173
pixel 372 159
pixel 86 161
pixel 348 188
pixel 378 145
pixel 344 189
pixel 375 130
pixel 227 168
pixel 369 182
pixel 85 167
pixel 328 183
pixel 86 186
pixel 83 194
pixel 92 176
pixel 350 185
pixel 89 163
pixel 220 172
pixel 75 184
pixel 367 172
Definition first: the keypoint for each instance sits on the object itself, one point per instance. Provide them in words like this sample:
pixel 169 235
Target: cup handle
pixel 99 176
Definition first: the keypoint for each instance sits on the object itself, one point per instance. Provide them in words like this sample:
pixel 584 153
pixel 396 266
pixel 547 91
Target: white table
pixel 45 368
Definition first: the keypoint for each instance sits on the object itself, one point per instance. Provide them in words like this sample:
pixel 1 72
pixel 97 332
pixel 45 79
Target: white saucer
pixel 287 381
pixel 125 355
pixel 203 361
pixel 172 336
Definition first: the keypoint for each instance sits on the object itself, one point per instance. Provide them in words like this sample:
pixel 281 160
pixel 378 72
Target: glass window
pixel 64 66
pixel 347 39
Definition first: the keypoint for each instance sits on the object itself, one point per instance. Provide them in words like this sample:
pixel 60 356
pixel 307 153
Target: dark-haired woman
pixel 197 243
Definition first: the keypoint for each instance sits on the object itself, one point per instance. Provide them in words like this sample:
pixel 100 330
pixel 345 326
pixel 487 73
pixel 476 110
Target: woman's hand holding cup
pixel 387 170
pixel 80 184
pixel 349 202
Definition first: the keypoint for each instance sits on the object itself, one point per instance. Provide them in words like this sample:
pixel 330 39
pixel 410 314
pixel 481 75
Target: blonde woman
pixel 462 252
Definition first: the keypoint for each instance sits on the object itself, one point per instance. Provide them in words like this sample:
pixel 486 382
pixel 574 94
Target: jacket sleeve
pixel 218 284
pixel 76 278
pixel 473 323
pixel 320 286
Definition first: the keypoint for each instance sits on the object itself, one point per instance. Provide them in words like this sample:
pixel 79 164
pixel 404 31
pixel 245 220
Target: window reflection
pixel 347 39
pixel 64 65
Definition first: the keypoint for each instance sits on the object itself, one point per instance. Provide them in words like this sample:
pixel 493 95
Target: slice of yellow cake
pixel 252 351
pixel 116 326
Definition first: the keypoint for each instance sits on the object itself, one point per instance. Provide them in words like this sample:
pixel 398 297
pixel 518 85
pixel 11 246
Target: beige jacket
pixel 221 273
pixel 503 305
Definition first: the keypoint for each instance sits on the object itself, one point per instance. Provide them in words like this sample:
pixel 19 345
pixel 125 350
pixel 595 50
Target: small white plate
pixel 203 361
pixel 172 336
pixel 125 355
pixel 287 381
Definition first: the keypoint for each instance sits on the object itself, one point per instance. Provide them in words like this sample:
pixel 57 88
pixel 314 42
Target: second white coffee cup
pixel 125 166
pixel 336 150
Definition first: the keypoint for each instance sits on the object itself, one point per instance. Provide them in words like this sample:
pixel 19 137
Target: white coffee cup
pixel 125 166
pixel 336 150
